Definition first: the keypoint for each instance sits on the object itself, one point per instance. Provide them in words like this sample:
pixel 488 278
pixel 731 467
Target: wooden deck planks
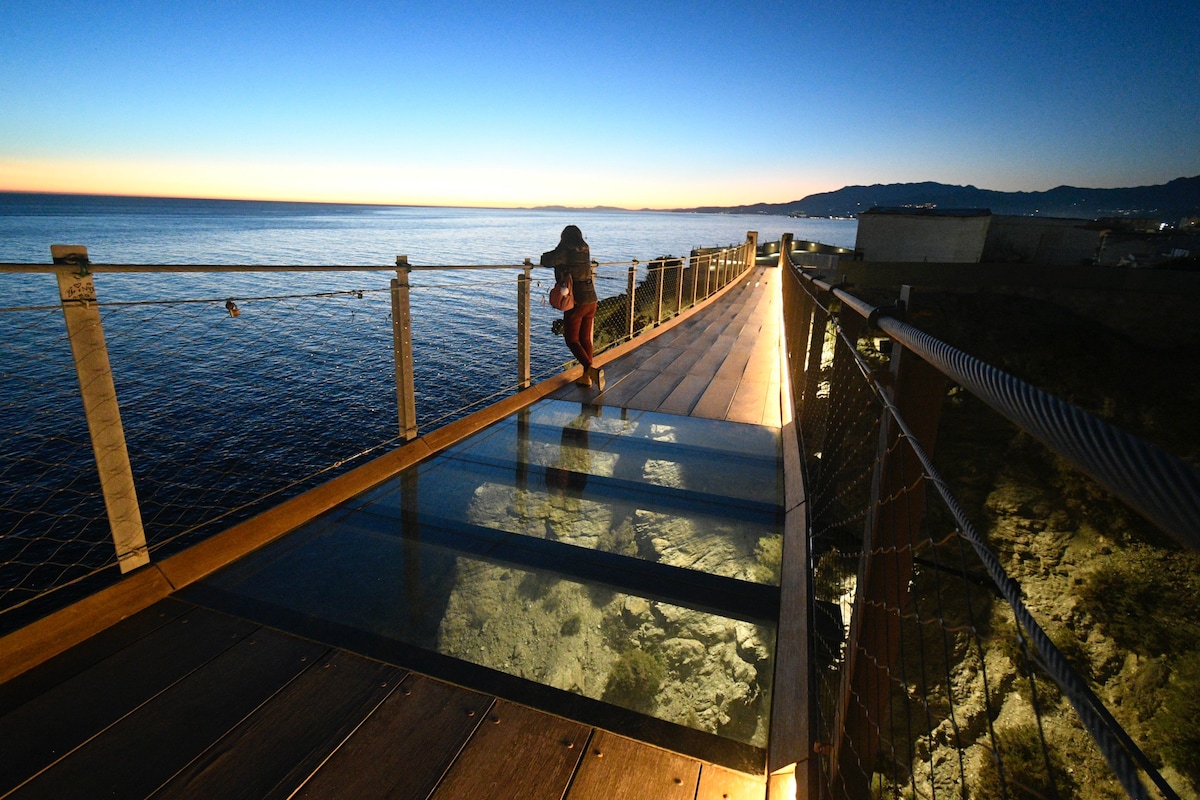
pixel 274 751
pixel 150 744
pixel 620 393
pixel 65 666
pixel 616 768
pixel 683 397
pixel 59 720
pixel 652 394
pixel 405 747
pixel 722 363
pixel 719 783
pixel 516 753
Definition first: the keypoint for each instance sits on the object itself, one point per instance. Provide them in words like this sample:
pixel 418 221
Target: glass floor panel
pixel 627 557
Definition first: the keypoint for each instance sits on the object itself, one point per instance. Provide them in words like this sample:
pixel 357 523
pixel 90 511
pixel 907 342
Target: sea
pixel 240 389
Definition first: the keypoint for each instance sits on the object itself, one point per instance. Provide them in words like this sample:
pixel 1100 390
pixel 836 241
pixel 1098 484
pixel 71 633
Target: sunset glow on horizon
pixel 628 105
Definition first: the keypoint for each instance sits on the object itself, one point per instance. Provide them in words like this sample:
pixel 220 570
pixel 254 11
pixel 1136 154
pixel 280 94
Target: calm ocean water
pixel 169 231
pixel 220 411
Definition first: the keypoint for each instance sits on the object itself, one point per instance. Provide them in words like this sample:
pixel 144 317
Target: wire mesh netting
pixel 936 672
pixel 223 409
pixel 237 391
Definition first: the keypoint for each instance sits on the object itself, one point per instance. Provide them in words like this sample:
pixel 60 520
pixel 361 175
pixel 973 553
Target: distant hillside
pixel 1169 202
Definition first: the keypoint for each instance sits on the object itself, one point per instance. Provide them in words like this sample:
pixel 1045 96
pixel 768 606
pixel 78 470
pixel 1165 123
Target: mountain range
pixel 1168 202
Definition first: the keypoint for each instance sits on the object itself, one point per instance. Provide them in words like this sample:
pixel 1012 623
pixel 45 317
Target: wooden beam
pixel 77 291
pixel 791 738
pixel 883 593
pixel 39 641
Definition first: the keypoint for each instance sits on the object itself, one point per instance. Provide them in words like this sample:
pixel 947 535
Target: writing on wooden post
pixel 77 292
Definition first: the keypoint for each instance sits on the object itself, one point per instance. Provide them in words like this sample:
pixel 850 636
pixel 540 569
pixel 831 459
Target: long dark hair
pixel 572 237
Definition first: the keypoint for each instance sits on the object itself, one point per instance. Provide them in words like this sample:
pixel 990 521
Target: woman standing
pixel 573 257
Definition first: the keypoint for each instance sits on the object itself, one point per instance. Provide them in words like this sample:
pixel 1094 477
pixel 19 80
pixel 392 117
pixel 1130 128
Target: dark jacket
pixel 578 262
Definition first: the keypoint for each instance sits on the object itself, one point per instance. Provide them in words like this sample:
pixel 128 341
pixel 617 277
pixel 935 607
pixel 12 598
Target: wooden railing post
pixel 77 292
pixel 630 289
pixel 882 598
pixel 790 756
pixel 751 249
pixel 659 284
pixel 785 246
pixel 679 289
pixel 406 402
pixel 842 385
pixel 524 284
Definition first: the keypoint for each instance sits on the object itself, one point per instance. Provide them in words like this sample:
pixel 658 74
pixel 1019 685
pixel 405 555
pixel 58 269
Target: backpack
pixel 562 296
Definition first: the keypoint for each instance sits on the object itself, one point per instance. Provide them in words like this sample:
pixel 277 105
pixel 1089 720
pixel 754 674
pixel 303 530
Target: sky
pixel 641 104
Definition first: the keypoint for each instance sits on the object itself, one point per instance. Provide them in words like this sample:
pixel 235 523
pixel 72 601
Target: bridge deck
pixel 183 701
pixel 722 363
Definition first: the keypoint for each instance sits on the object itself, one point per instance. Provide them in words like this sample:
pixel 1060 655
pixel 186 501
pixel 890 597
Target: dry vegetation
pixel 1120 598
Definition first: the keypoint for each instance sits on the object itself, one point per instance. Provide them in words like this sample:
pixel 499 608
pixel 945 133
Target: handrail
pixel 1095 718
pixel 88 313
pixel 1161 487
pixel 93 266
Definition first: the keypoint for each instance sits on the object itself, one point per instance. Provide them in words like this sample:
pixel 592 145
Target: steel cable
pixel 1052 659
pixel 1159 485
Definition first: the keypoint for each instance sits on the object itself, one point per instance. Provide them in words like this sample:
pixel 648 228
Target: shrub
pixel 571 625
pixel 769 555
pixel 1025 777
pixel 1148 600
pixel 634 680
pixel 1175 725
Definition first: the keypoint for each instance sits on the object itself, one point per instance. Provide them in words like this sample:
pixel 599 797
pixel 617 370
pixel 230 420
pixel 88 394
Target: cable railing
pixel 960 656
pixel 179 400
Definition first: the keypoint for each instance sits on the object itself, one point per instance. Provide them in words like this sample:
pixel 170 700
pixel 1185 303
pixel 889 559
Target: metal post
pixel 406 401
pixel 524 283
pixel 630 288
pixel 77 291
pixel 707 273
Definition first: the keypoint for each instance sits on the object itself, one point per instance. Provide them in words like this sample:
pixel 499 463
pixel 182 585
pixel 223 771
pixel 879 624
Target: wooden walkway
pixel 722 363
pixel 181 701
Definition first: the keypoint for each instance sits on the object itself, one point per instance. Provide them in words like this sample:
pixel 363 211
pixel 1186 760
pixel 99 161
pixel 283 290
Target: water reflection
pixel 567 477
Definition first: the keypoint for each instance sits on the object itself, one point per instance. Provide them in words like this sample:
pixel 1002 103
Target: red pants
pixel 577 331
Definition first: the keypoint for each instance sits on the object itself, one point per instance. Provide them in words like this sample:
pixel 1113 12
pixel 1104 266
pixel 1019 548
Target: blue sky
pixel 632 104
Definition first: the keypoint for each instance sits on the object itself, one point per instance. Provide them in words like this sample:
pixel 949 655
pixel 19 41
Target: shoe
pixel 598 375
pixel 585 379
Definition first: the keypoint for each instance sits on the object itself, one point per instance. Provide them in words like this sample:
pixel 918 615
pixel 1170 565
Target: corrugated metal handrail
pixel 1114 744
pixel 1160 486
